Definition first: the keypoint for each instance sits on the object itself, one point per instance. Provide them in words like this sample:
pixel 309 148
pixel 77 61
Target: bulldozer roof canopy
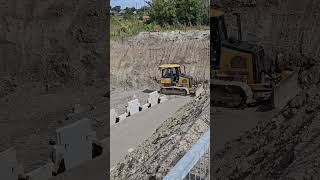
pixel 165 66
pixel 216 13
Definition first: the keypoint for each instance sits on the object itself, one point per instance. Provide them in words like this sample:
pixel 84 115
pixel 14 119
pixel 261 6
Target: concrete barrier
pixel 145 106
pixel 113 116
pixel 8 165
pixel 76 140
pixel 122 116
pixel 42 173
pixel 153 98
pixel 133 107
pixel 163 98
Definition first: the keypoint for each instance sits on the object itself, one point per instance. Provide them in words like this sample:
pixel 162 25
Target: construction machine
pixel 239 72
pixel 174 81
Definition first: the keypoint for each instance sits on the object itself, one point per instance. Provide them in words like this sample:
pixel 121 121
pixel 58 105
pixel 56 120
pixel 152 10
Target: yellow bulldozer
pixel 239 73
pixel 174 81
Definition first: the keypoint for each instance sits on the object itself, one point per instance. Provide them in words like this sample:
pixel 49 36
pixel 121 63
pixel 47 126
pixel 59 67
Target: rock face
pixel 54 42
pixel 134 63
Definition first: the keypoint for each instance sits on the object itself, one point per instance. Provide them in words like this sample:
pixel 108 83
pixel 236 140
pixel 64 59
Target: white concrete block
pixel 122 116
pixel 113 116
pixel 42 173
pixel 8 165
pixel 133 107
pixel 145 106
pixel 163 98
pixel 153 98
pixel 76 139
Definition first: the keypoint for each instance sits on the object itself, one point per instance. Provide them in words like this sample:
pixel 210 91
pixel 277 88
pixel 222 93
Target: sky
pixel 127 3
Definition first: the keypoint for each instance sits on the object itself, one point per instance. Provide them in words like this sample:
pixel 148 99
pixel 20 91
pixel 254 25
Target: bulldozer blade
pixel 286 90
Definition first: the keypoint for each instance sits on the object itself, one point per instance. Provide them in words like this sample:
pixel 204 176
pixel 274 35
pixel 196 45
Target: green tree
pixel 162 11
pixel 129 12
pixel 116 8
pixel 188 12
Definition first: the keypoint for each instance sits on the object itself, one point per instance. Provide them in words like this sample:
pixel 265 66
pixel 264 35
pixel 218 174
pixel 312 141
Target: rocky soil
pixel 156 155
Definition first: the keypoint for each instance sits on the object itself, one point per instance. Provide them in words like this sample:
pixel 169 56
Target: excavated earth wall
pixel 134 63
pixel 287 27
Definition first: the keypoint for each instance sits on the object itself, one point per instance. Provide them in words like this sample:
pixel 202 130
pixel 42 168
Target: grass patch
pixel 121 28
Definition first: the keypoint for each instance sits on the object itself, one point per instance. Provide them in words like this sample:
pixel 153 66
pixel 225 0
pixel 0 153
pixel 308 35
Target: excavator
pixel 174 81
pixel 239 72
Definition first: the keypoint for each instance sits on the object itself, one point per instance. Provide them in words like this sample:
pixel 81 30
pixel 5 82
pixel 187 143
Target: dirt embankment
pixel 289 27
pixel 134 63
pixel 156 155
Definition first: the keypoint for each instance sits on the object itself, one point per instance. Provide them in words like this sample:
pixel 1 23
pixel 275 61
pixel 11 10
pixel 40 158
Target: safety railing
pixel 195 164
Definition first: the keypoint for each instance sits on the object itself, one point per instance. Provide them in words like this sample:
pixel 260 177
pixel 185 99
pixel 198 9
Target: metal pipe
pixel 239 26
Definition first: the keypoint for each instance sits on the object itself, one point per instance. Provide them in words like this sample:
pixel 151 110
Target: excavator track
pixel 228 94
pixel 173 91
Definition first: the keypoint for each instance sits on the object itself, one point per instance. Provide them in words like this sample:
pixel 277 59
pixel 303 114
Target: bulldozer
pixel 174 81
pixel 239 74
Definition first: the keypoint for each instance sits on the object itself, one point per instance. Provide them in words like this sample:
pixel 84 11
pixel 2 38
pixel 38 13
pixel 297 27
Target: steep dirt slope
pixel 289 27
pixel 134 63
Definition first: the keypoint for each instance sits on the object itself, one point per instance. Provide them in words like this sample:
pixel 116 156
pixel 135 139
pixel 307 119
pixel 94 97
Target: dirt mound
pixel 154 157
pixel 284 147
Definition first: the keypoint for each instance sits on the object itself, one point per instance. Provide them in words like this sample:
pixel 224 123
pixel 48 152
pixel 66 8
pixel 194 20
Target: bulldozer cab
pixel 170 73
pixel 233 59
